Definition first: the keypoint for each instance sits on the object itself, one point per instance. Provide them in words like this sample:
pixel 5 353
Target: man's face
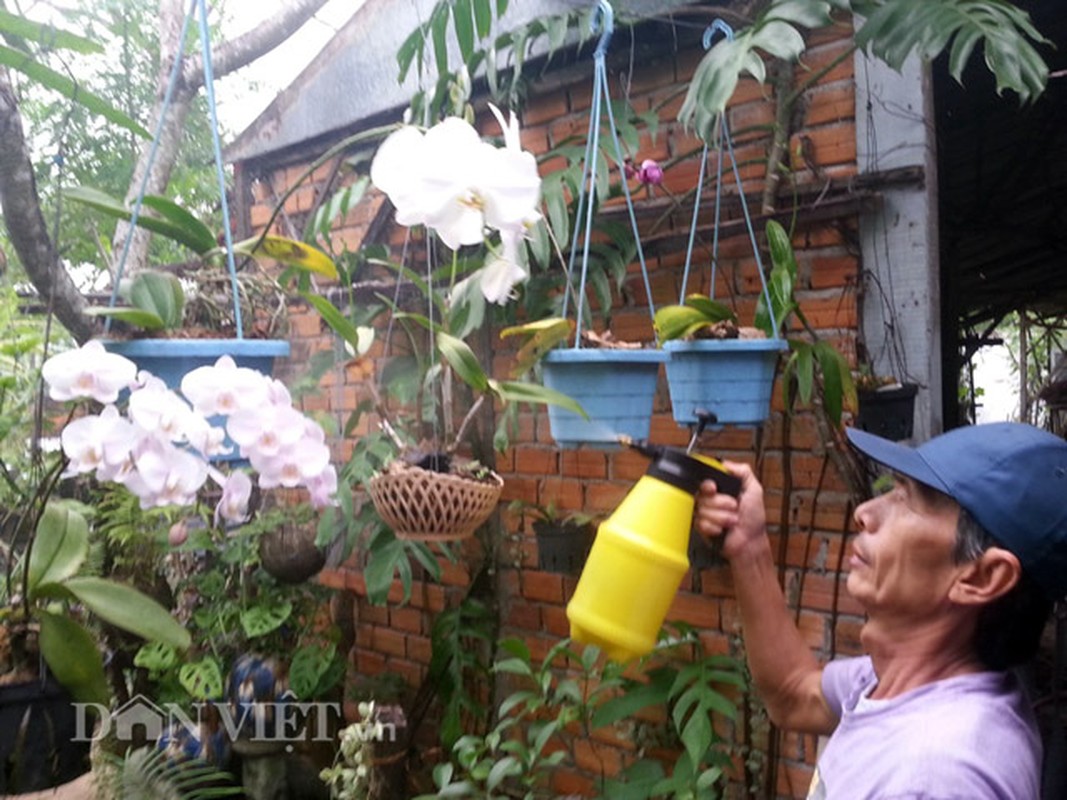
pixel 902 558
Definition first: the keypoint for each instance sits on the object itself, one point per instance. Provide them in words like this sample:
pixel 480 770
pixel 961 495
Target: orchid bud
pixel 178 534
pixel 651 173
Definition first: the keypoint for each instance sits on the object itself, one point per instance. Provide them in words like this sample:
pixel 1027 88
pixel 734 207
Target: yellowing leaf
pixel 289 252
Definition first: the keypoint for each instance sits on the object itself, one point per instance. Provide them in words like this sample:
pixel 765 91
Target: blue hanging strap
pixel 153 149
pixel 604 21
pixel 718 26
pixel 209 86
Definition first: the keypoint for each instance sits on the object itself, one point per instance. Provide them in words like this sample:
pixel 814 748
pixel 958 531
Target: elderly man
pixel 956 565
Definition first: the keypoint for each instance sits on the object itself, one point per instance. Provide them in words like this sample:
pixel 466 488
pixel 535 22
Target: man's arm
pixel 786 674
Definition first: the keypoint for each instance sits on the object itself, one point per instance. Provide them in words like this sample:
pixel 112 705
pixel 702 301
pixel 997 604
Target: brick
pixel 536 461
pixel 389 642
pixel 698 611
pixel 543 108
pixel 566 493
pixel 584 463
pixel 555 622
pixel 524 615
pixel 597 758
pixel 419 649
pixel 370 663
pixel 603 498
pixel 826 103
pixel 544 586
pixel 406 619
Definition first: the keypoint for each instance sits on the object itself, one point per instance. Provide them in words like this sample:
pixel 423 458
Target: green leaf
pixel 678 322
pixel 71 654
pixel 201 679
pixel 383 560
pixel 483 18
pixel 289 252
pixel 544 334
pixel 60 547
pixel 131 316
pixel 57 82
pixel 522 392
pixel 359 338
pixel 169 210
pixel 260 620
pixel 129 609
pixel 160 294
pixel 156 657
pixel 463 22
pixel 713 310
pixel 439 32
pixel 805 370
pixel 629 703
pixel 462 359
pixel 309 664
pixel 411 49
pixel 46 35
pixel 102 202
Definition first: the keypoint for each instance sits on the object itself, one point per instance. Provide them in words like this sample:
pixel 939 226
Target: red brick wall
pixel 395 637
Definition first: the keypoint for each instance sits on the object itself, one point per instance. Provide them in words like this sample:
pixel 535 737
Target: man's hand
pixel 742 520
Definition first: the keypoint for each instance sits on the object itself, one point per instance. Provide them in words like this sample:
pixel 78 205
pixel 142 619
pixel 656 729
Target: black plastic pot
pixel 38 726
pixel 889 412
pixel 563 547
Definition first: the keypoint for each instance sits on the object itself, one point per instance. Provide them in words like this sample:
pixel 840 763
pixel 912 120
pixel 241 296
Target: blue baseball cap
pixel 1011 477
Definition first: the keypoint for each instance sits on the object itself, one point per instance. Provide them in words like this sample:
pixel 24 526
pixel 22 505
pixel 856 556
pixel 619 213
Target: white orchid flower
pixel 170 476
pixel 98 441
pixel 236 493
pixel 90 371
pixel 267 430
pixel 294 466
pixel 224 388
pixel 451 181
pixel 323 488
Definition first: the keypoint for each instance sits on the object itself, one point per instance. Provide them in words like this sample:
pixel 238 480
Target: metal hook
pixel 604 21
pixel 718 26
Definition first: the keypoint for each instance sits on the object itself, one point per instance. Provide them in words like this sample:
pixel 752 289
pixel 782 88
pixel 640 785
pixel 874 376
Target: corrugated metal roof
pixel 354 78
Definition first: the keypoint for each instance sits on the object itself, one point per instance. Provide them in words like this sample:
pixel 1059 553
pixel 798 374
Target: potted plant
pixel 714 365
pixel 885 405
pixel 563 537
pixel 465 192
pixel 154 444
pixel 173 327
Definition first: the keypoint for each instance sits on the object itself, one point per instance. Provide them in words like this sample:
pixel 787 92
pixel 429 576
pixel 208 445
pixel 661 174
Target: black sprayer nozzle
pixel 642 446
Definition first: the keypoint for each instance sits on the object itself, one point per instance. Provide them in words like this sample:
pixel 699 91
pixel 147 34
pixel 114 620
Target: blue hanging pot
pixel 731 378
pixel 170 359
pixel 616 388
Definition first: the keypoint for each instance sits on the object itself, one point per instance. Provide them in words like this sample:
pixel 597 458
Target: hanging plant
pixel 613 382
pixel 468 193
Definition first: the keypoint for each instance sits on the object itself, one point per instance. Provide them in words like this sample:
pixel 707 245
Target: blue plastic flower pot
pixel 615 387
pixel 170 359
pixel 731 378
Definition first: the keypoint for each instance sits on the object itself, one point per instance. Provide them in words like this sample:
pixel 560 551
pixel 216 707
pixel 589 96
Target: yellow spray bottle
pixel 640 555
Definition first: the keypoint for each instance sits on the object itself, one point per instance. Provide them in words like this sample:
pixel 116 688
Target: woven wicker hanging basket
pixel 432 506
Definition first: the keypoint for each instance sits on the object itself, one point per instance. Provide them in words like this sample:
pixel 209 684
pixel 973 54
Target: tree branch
pixel 26 225
pixel 245 49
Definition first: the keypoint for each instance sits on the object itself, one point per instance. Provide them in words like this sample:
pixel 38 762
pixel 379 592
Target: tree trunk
pixel 227 58
pixel 25 222
pixel 18 191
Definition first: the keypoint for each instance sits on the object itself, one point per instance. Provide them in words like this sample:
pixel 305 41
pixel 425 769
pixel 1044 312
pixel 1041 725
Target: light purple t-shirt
pixel 972 737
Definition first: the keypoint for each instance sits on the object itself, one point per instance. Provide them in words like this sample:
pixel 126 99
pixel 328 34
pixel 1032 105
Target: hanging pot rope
pixel 604 21
pixel 723 137
pixel 209 88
